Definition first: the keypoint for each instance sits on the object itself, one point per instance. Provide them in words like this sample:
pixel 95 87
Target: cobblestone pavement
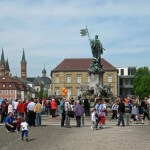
pixel 60 138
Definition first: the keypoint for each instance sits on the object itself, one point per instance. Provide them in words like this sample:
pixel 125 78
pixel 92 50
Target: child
pixel 24 129
pixel 94 119
pixel 102 118
pixel 18 122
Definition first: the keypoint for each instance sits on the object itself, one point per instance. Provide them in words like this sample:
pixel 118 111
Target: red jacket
pixel 26 105
pixel 53 105
pixel 21 107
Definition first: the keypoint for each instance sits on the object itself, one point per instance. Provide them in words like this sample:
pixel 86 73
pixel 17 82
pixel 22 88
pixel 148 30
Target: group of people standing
pixel 70 109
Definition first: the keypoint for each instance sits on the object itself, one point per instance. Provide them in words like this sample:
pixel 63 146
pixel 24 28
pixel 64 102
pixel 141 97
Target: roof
pixel 81 64
pixel 42 80
pixel 15 82
pixel 31 79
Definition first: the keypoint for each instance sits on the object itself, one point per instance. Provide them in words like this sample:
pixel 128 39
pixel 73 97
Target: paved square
pixel 57 138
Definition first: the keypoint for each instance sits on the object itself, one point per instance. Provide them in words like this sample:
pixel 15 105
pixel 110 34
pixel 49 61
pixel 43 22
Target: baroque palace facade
pixel 71 73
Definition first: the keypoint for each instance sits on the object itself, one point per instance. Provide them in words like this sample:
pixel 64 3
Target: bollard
pixel 83 120
pixel 127 121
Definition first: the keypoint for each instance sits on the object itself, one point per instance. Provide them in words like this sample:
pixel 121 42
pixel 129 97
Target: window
pixel 88 79
pixel 57 79
pixel 68 79
pixel 11 91
pixel 122 72
pixel 121 82
pixel 10 85
pixel 1 92
pixel 6 92
pixel 69 91
pixel 131 81
pixel 79 79
pixel 4 85
pixel 109 78
pixel 131 71
pixel 78 91
pixel 57 91
pixel 126 82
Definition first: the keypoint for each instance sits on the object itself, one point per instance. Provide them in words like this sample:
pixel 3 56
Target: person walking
pixel 94 118
pixel 62 111
pixel 134 112
pixel 38 110
pixel 53 107
pixel 24 129
pixel 114 110
pixel 31 113
pixel 121 111
pixel 78 110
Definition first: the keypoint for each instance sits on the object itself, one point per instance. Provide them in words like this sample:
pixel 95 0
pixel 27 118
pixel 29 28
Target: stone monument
pixel 95 70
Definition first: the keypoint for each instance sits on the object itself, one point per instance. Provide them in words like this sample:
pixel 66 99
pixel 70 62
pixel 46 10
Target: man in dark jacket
pixel 121 111
pixel 86 107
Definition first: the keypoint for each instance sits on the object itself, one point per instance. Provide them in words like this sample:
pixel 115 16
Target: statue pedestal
pixel 96 80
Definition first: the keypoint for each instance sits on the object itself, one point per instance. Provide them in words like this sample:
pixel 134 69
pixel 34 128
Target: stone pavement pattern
pixel 58 138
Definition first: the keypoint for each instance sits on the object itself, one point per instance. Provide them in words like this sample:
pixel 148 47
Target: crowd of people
pixel 137 108
pixel 18 114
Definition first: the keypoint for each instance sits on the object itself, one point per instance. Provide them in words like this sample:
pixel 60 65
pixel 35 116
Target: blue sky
pixel 49 31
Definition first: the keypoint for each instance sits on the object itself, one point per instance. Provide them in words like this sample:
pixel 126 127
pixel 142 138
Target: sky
pixel 49 32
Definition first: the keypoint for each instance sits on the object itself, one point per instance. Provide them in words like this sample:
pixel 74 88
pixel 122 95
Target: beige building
pixel 70 73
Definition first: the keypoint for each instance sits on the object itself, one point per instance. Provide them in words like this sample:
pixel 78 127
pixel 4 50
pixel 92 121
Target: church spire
pixel 23 66
pixel 2 56
pixel 7 65
pixel 7 69
pixel 23 61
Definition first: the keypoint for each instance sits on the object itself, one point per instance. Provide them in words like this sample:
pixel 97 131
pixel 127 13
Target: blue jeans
pixel 38 119
pixel 25 132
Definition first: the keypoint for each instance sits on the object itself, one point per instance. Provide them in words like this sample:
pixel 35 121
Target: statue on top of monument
pixel 97 51
pixel 96 47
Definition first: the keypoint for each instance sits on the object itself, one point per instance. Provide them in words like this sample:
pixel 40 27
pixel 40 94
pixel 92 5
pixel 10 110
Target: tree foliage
pixel 141 82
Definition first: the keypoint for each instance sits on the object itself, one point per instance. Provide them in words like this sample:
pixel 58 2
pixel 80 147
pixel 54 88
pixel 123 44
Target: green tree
pixel 141 82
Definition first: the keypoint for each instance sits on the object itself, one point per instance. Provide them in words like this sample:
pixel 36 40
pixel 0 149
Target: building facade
pixel 71 73
pixel 13 88
pixel 125 81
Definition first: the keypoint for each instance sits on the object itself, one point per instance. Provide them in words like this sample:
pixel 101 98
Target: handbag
pixel 71 114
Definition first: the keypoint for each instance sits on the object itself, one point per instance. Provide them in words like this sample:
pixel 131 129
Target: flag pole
pixel 88 32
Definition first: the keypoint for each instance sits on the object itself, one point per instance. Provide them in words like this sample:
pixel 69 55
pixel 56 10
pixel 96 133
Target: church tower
pixel 44 72
pixel 2 64
pixel 23 66
pixel 7 69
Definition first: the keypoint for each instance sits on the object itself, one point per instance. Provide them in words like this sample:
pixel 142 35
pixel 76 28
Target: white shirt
pixel 24 126
pixel 148 101
pixel 93 117
pixel 10 108
pixel 30 106
pixel 15 105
